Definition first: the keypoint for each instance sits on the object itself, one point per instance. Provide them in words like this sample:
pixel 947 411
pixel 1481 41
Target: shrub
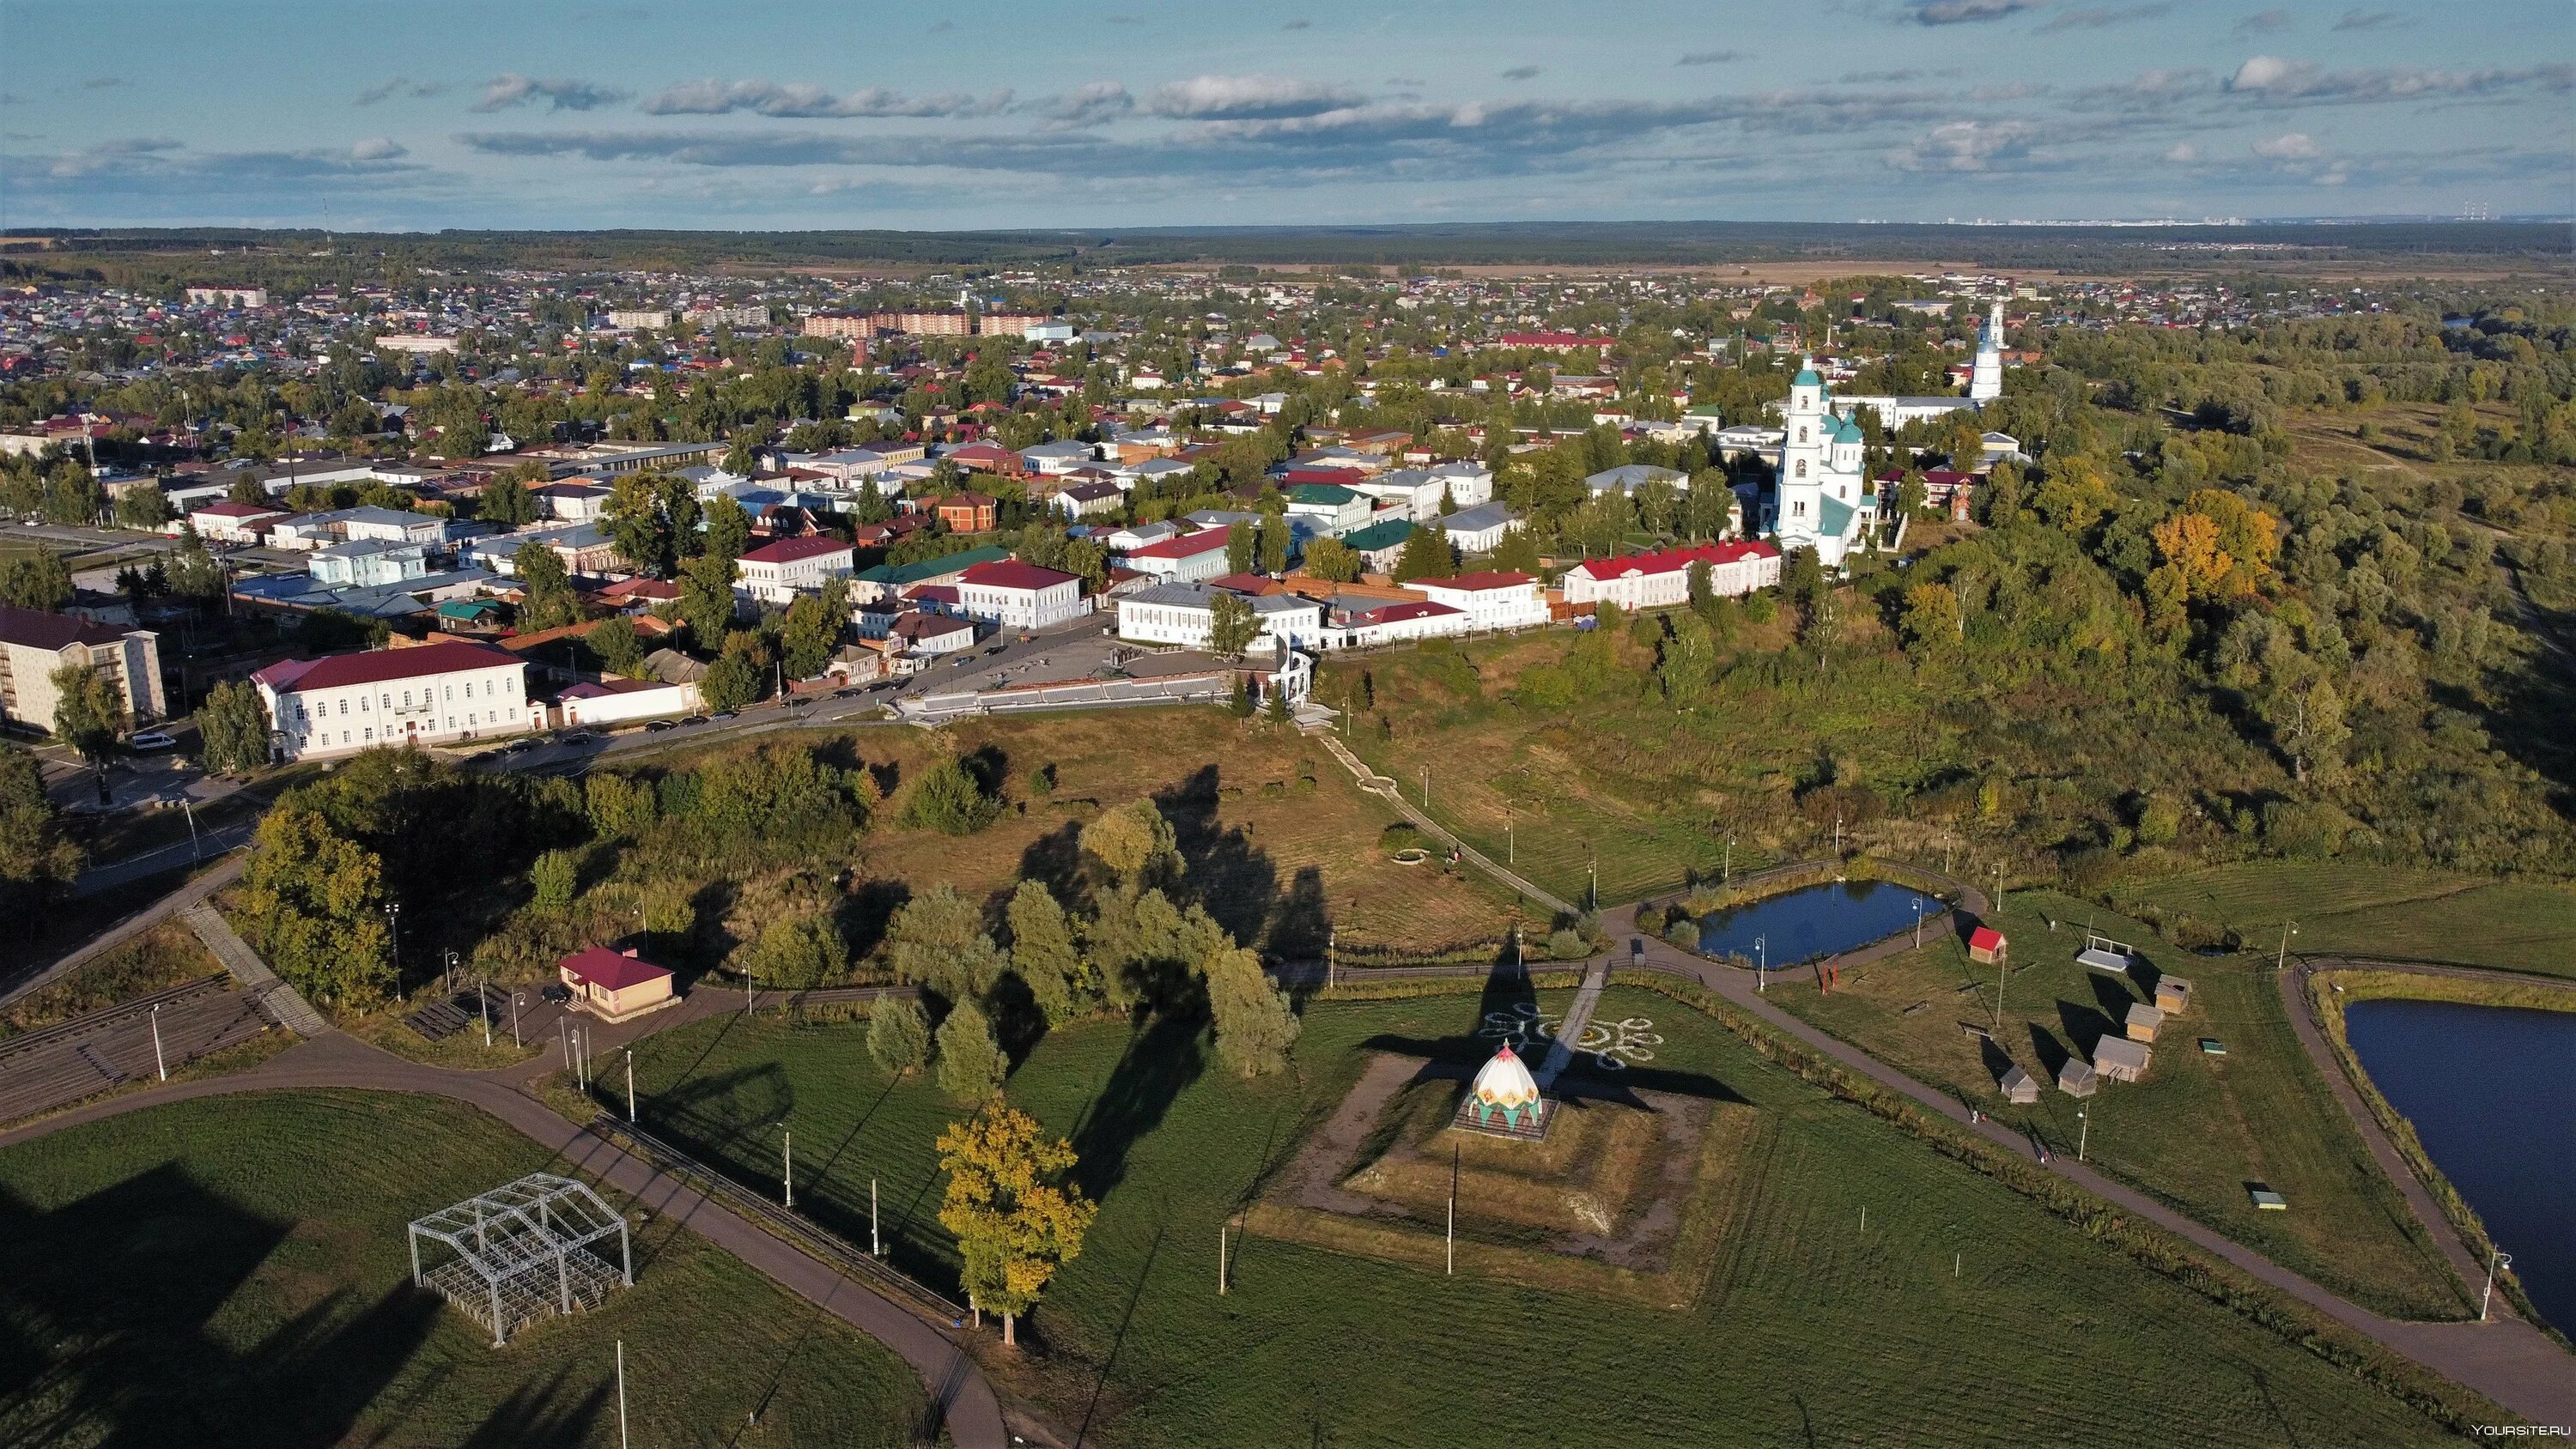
pixel 799 952
pixel 554 877
pixel 1566 944
pixel 1683 932
pixel 1403 835
pixel 950 800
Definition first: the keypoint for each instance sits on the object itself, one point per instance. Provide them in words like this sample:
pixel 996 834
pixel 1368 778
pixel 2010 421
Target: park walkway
pixel 962 1399
pixel 1369 780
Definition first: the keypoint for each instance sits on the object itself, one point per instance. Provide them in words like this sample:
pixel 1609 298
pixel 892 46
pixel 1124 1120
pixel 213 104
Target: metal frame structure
pixel 523 1251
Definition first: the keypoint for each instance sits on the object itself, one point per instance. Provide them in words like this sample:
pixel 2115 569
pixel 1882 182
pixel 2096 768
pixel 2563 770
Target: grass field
pixel 2363 910
pixel 233 1271
pixel 2195 1132
pixel 1962 1314
pixel 165 955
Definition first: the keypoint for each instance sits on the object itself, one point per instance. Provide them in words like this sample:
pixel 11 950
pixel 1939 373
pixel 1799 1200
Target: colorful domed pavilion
pixel 1504 1097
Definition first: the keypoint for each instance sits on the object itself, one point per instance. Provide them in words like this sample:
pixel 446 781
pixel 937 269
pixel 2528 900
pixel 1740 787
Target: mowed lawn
pixel 233 1271
pixel 2196 1133
pixel 1276 859
pixel 2380 911
pixel 1963 1314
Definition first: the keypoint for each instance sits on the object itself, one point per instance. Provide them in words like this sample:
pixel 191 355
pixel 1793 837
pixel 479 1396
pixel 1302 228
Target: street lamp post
pixel 515 998
pixel 2497 1259
pixel 159 1063
pixel 1726 864
pixel 2281 961
pixel 2083 1126
pixel 393 919
pixel 195 850
pixel 1918 920
pixel 1761 963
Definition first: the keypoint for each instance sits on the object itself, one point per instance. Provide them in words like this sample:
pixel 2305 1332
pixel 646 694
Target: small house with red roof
pixel 615 985
pixel 968 513
pixel 1986 945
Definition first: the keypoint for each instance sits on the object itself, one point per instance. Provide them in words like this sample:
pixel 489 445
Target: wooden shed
pixel 2018 1087
pixel 2076 1078
pixel 2119 1059
pixel 2143 1022
pixel 2173 995
pixel 1986 945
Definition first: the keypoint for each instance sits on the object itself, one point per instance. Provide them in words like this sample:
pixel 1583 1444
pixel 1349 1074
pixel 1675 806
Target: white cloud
pixel 811 102
pixel 1248 97
pixel 2290 146
pixel 562 93
pixel 1096 104
pixel 2273 80
pixel 2183 153
pixel 1959 12
pixel 378 148
pixel 1966 146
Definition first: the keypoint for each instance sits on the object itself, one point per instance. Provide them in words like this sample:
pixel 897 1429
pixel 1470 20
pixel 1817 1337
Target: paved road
pixel 211 842
pixel 968 1409
pixel 144 917
pixel 43 1070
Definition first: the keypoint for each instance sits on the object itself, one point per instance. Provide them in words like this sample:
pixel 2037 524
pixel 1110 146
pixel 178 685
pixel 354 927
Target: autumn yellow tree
pixel 2220 546
pixel 1010 1201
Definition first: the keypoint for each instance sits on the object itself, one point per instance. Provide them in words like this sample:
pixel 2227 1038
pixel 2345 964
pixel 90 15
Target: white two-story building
pixel 1185 614
pixel 776 572
pixel 430 694
pixel 1016 595
pixel 1661 580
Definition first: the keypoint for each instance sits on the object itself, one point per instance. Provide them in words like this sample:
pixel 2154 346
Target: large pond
pixel 2488 1089
pixel 1819 920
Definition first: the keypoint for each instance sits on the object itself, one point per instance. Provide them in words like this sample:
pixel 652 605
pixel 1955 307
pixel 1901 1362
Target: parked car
pixel 695 719
pixel 556 992
pixel 151 742
pixel 852 692
pixel 659 725
pixel 720 716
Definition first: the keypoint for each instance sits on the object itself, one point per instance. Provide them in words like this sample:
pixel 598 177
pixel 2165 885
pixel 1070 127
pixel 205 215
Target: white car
pixel 151 742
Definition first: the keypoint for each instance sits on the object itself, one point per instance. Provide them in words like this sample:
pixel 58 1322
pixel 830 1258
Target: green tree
pixel 1232 624
pixel 1517 553
pixel 949 799
pixel 1333 561
pixel 802 951
pixel 1242 545
pixel 613 641
pixel 546 597
pixel 971 1065
pixel 1255 1024
pixel 728 527
pixel 635 521
pixel 1688 666
pixel 1426 555
pixel 937 940
pixel 734 680
pixel 507 501
pixel 1703 593
pixel 195 573
pixel 1045 956
pixel 234 724
pixel 313 899
pixel 1274 545
pixel 38 862
pixel 141 507
pixel 552 880
pixel 1136 842
pixel 809 635
pixel 706 597
pixel 35 581
pixel 1012 1206
pixel 899 1034
pixel 89 713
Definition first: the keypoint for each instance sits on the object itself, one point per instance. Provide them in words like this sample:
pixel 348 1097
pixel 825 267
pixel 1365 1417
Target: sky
pixel 1004 114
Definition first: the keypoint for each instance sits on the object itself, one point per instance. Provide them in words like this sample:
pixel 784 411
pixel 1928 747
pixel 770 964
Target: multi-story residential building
pixel 776 572
pixel 1661 579
pixel 1187 557
pixel 34 645
pixel 351 525
pixel 1334 509
pixel 1009 324
pixel 630 319
pixel 229 522
pixel 1018 595
pixel 369 561
pixel 430 694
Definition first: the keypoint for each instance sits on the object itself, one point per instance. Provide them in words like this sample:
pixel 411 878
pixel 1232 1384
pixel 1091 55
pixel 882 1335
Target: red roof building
pixel 968 513
pixel 615 985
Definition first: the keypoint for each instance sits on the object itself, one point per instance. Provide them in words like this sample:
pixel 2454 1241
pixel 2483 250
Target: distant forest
pixel 2115 250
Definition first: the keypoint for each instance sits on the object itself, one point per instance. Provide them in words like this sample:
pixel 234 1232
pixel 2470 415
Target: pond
pixel 1817 920
pixel 2487 1090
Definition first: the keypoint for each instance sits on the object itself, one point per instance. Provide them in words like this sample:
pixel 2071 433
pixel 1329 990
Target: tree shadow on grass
pixel 122 1287
pixel 1054 860
pixel 1221 867
pixel 2052 1053
pixel 865 912
pixel 1163 1056
pixel 1118 1339
pixel 551 1412
pixel 2084 1025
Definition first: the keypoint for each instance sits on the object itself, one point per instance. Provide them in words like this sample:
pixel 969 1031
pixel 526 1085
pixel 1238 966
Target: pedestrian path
pixel 280 1000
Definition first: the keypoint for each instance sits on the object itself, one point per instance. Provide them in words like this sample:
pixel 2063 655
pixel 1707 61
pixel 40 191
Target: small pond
pixel 1817 920
pixel 2487 1090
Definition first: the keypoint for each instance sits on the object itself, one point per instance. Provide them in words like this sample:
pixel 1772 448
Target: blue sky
pixel 1005 114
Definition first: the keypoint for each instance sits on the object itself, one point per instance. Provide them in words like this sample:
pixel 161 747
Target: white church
pixel 1820 496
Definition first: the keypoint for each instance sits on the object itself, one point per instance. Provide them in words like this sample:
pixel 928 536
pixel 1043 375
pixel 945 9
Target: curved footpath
pixel 962 1399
